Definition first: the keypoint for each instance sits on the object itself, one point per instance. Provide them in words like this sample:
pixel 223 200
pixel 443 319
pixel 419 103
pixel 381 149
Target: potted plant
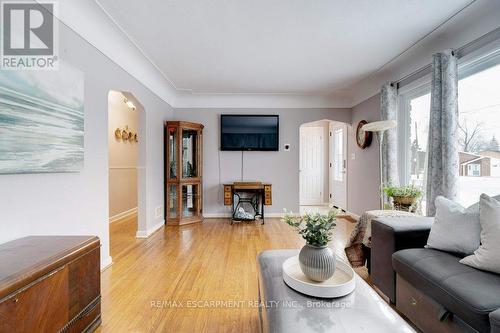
pixel 317 260
pixel 403 195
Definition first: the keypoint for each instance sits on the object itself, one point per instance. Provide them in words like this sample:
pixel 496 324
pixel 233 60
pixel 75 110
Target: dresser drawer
pixel 26 311
pixel 52 284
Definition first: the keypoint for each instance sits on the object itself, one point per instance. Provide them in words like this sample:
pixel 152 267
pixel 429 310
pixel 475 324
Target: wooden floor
pixel 153 283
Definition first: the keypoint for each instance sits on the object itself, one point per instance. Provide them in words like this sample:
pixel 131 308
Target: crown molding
pixel 196 100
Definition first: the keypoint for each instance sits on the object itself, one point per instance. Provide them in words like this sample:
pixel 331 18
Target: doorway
pixel 323 166
pixel 125 164
pixel 338 165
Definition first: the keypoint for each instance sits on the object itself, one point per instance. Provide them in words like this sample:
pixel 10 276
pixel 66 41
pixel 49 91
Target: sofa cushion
pixel 487 256
pixel 469 293
pixel 455 228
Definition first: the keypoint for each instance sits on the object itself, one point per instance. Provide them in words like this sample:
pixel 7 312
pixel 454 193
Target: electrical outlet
pixel 158 211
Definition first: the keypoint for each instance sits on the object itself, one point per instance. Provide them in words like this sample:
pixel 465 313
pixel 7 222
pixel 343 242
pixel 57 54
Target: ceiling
pixel 275 46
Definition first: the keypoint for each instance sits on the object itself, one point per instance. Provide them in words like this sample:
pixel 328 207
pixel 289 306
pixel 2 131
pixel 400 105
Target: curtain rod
pixel 460 52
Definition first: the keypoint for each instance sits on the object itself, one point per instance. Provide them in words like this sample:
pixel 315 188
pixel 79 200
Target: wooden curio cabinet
pixel 183 172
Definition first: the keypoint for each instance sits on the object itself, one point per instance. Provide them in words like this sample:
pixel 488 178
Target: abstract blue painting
pixel 41 121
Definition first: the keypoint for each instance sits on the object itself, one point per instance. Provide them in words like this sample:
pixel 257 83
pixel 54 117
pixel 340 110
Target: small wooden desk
pixel 262 197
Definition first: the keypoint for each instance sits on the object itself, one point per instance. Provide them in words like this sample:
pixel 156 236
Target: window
pixel 474 170
pixel 338 162
pixel 413 133
pixel 479 131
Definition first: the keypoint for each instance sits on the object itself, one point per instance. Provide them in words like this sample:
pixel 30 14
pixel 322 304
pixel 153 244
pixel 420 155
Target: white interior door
pixel 311 165
pixel 338 165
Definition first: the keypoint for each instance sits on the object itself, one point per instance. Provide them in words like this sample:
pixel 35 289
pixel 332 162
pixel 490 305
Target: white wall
pixel 77 203
pixel 123 156
pixel 279 168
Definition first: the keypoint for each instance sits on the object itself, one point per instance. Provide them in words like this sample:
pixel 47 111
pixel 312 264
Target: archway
pixel 322 165
pixel 127 168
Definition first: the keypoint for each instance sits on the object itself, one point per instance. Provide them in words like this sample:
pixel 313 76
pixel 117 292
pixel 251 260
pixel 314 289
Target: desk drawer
pixel 227 189
pixel 227 201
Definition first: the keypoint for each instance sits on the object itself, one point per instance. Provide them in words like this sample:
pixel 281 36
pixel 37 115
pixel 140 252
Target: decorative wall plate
pixel 118 134
pixel 136 138
pixel 124 135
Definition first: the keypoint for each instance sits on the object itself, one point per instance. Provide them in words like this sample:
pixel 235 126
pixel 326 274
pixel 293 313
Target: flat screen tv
pixel 249 132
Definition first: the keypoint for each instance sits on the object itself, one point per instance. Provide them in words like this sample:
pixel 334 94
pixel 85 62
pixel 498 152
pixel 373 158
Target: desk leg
pixel 262 205
pixel 231 219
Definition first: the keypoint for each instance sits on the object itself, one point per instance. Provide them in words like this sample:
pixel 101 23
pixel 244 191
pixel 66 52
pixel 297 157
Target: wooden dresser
pixel 50 284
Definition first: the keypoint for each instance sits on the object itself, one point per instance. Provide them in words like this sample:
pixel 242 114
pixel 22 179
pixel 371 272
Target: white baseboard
pixel 106 263
pixel 217 215
pixel 126 214
pixel 150 231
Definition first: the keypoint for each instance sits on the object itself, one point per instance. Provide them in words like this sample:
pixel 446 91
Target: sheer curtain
pixel 388 110
pixel 442 160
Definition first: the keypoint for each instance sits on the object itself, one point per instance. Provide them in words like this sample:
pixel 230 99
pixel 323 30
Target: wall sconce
pixel 129 104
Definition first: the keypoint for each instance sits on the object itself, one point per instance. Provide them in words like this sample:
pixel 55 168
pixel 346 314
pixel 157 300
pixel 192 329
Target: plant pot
pixel 317 263
pixel 406 201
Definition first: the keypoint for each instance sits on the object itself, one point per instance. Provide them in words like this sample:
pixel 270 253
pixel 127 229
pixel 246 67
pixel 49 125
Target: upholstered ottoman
pixel 389 235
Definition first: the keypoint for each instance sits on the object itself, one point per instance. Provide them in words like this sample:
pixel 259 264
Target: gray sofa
pixel 430 287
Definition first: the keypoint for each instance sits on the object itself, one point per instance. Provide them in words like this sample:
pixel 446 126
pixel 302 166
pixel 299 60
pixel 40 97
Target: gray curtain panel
pixel 388 109
pixel 442 161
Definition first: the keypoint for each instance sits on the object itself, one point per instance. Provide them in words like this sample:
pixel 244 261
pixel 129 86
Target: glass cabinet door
pixel 172 149
pixel 189 158
pixel 172 201
pixel 190 205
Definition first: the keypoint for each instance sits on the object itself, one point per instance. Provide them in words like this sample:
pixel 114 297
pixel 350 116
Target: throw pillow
pixel 487 256
pixel 455 228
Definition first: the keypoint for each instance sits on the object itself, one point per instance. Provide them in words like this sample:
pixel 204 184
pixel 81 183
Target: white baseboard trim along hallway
pixel 150 231
pixel 123 215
